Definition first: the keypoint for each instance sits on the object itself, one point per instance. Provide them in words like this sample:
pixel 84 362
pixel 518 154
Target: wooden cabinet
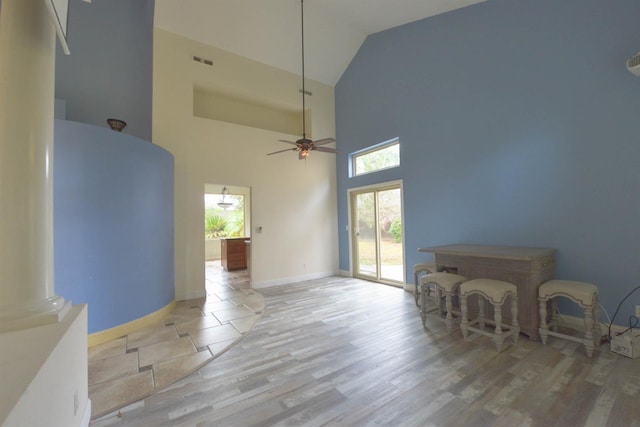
pixel 247 243
pixel 234 253
pixel 527 268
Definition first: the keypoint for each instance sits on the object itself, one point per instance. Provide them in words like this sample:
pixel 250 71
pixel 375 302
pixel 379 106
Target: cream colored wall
pixel 293 201
pixel 227 109
pixel 44 374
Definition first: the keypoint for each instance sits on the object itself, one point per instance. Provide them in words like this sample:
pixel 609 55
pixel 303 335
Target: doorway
pixel 227 216
pixel 377 233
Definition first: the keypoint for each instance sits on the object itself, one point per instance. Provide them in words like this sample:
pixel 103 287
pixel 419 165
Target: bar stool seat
pixel 446 285
pixel 582 293
pixel 496 292
pixel 418 269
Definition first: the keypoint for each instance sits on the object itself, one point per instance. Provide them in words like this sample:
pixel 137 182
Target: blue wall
pixel 110 70
pixel 113 223
pixel 519 125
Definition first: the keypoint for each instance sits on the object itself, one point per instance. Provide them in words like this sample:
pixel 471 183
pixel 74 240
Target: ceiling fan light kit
pixel 304 145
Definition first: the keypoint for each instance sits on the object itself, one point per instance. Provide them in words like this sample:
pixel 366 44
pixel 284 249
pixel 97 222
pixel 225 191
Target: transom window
pixel 378 157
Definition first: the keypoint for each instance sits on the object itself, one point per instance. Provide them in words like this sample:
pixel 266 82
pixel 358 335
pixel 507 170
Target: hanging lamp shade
pixel 225 204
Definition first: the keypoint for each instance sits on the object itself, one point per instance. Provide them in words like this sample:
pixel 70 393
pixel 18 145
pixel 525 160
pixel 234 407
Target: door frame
pixel 351 227
pixel 247 192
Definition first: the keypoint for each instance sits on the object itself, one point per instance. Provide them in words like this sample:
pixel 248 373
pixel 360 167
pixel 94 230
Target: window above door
pixel 378 157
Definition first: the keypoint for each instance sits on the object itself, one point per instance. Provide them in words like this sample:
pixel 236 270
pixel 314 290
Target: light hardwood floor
pixel 345 352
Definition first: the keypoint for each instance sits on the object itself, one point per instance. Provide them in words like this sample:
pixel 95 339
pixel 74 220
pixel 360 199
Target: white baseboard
pixel 200 293
pixel 86 417
pixel 291 279
pixel 406 286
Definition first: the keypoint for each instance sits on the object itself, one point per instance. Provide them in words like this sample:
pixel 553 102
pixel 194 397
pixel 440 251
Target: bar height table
pixel 527 268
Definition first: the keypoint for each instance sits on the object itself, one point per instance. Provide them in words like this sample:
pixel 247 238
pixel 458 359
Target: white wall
pixel 293 201
pixel 212 249
pixel 46 368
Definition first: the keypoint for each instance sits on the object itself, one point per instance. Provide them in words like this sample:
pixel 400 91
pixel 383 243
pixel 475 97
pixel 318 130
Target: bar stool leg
pixel 481 311
pixel 514 319
pixel 464 322
pixel 423 304
pixel 449 304
pixel 554 315
pixel 588 330
pixel 439 300
pixel 498 338
pixel 544 328
pixel 597 333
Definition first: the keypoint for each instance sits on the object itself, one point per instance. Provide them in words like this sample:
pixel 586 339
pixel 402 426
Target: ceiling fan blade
pixel 325 149
pixel 282 151
pixel 324 141
pixel 288 142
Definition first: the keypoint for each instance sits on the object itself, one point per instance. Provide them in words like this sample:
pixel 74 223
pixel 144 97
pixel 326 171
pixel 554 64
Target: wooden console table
pixel 527 268
pixel 233 253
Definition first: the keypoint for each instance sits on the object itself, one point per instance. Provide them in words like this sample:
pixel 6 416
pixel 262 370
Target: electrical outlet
pixel 637 310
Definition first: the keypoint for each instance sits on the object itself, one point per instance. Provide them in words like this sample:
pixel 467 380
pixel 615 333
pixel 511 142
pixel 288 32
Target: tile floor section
pixel 132 367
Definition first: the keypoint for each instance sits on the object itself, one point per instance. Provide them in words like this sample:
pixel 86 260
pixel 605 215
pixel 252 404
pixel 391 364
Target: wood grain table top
pixel 487 251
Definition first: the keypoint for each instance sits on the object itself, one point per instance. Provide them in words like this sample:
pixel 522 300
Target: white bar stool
pixel 446 284
pixel 419 269
pixel 496 292
pixel 583 294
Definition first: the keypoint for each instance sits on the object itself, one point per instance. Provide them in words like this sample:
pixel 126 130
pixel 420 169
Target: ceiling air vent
pixel 202 60
pixel 633 64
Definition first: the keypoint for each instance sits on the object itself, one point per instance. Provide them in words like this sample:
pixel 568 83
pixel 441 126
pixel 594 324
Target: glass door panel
pixel 365 234
pixel 390 239
pixel 377 234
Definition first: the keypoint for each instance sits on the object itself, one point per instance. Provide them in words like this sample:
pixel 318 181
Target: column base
pixel 51 310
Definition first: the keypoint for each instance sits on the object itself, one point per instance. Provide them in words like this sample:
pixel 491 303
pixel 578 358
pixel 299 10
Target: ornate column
pixel 27 79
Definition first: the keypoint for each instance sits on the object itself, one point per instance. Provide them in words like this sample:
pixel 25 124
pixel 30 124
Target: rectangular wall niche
pixel 246 112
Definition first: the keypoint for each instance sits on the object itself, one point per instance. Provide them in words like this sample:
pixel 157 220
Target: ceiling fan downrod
pixel 304 122
pixel 304 146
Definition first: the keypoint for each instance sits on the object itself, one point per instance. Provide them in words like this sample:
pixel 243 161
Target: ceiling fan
pixel 305 145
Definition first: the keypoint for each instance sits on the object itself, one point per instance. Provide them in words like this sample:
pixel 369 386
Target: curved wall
pixel 113 223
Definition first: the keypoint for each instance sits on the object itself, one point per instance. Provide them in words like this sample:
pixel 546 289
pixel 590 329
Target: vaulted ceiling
pixel 268 31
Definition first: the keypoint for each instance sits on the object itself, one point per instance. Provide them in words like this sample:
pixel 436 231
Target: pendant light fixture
pixel 225 204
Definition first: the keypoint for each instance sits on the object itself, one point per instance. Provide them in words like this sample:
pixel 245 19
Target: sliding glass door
pixel 377 234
